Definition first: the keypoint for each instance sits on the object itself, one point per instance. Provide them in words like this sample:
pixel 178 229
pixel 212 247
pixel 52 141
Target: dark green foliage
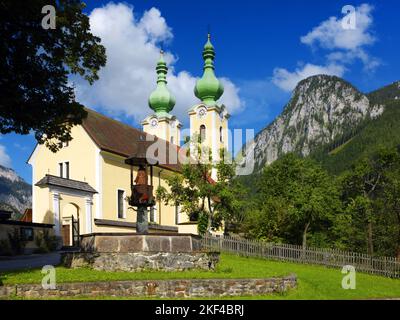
pixel 295 196
pixel 213 202
pixel 385 94
pixel 361 200
pixel 298 202
pixel 35 64
pixel 372 135
pixel 5 248
pixel 45 242
pixel 370 194
pixel 16 242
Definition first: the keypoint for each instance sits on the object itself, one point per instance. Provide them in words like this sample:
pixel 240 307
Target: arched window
pixel 221 135
pixel 202 133
pixel 172 139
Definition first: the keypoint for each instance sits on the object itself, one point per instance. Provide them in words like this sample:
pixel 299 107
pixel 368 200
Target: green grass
pixel 314 282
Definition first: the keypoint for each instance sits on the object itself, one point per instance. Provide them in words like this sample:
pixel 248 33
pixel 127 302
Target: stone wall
pixel 101 242
pixel 135 252
pixel 158 288
pixel 139 261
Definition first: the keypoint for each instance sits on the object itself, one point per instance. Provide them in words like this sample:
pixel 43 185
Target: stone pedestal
pixel 142 220
pixel 136 252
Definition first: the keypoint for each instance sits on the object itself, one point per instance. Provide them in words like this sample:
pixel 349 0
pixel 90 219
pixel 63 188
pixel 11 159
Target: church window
pixel 60 170
pixel 221 135
pixel 120 203
pixel 153 214
pixel 202 133
pixel 66 170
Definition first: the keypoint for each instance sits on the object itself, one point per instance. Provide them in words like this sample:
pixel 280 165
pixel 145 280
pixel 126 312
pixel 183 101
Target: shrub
pixel 5 248
pixel 17 244
pixel 45 242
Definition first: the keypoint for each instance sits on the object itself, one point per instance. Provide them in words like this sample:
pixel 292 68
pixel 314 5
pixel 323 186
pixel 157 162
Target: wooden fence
pixel 385 266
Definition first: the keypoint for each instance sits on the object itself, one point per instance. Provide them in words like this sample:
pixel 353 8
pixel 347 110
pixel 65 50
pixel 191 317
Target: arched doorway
pixel 70 224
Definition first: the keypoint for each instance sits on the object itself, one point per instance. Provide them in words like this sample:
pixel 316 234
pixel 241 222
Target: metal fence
pixel 385 266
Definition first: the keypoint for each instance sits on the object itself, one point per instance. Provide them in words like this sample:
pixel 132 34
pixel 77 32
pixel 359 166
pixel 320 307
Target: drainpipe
pixel 159 201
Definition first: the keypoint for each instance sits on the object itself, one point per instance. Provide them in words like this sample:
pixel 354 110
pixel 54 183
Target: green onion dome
pixel 209 89
pixel 161 100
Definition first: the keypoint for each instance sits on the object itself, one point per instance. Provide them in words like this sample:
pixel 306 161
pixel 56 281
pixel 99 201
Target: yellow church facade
pixel 89 181
pixel 84 187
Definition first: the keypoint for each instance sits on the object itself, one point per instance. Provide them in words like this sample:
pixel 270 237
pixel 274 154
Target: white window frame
pixel 64 169
pixel 155 212
pixel 177 214
pixel 123 203
pixel 61 169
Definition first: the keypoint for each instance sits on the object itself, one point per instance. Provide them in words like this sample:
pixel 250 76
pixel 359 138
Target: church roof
pixel 119 138
pixel 50 180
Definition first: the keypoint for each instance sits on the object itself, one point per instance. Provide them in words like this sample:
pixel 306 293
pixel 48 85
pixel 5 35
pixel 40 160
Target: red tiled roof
pixel 27 217
pixel 116 137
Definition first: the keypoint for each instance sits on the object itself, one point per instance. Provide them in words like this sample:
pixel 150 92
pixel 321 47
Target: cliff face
pixel 15 193
pixel 321 109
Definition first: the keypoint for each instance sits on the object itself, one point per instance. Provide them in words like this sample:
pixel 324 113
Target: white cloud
pixel 347 44
pixel 330 34
pixel 5 159
pixel 344 45
pixel 132 52
pixel 287 80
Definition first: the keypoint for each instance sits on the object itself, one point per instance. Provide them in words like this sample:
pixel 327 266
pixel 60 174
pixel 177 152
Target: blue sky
pixel 263 48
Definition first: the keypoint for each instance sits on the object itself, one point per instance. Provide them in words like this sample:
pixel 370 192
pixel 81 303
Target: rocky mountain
pixel 367 138
pixel 15 193
pixel 322 109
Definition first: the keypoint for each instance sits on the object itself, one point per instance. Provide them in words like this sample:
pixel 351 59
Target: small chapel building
pixel 83 188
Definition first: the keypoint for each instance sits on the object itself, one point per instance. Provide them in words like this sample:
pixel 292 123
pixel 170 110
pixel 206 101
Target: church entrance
pixel 65 232
pixel 70 225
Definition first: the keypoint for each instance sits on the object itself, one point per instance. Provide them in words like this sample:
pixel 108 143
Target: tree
pixel 369 190
pixel 212 203
pixel 300 194
pixel 392 197
pixel 35 64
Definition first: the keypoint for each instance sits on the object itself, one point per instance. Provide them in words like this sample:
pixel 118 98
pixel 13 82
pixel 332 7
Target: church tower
pixel 208 119
pixel 162 124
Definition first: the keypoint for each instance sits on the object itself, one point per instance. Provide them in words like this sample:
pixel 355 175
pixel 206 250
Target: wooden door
pixel 66 233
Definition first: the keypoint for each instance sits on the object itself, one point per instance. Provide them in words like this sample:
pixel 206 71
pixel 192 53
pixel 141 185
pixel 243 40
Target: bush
pixel 45 242
pixel 16 242
pixel 5 248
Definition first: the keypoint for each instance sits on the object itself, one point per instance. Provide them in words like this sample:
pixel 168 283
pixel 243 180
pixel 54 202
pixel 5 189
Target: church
pixel 83 188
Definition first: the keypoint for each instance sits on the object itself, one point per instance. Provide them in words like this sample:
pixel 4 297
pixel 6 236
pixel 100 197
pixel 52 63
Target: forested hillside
pixel 344 194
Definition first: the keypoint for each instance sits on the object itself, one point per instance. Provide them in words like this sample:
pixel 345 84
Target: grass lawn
pixel 314 282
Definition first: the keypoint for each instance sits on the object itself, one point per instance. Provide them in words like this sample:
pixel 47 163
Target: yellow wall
pixel 105 172
pixel 168 130
pixel 81 155
pixel 212 122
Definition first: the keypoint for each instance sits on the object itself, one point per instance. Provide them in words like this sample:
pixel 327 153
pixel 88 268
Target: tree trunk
pixel 305 234
pixel 210 216
pixel 398 235
pixel 370 239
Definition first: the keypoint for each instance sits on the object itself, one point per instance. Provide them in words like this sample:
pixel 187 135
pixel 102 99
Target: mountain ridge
pixel 15 192
pixel 322 109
